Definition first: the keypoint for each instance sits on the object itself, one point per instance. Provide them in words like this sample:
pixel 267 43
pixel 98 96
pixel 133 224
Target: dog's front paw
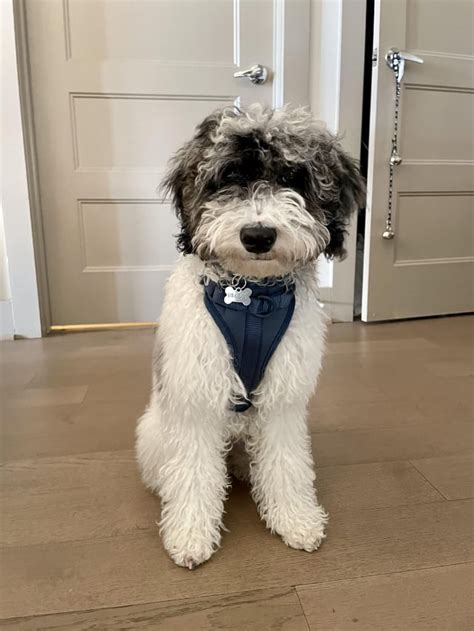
pixel 191 558
pixel 306 532
pixel 191 549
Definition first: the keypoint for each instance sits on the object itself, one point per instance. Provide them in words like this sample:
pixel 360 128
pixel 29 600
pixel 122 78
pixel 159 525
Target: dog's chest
pixel 197 363
pixel 252 326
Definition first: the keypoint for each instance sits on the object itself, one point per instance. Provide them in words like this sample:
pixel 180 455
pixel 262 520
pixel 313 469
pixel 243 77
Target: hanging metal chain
pixel 396 62
pixel 393 61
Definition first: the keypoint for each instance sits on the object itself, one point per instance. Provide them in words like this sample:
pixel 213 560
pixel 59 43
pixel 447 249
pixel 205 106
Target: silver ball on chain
pixel 395 159
pixel 388 234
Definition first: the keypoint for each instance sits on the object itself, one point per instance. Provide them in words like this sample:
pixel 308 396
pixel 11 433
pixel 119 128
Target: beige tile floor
pixel 392 428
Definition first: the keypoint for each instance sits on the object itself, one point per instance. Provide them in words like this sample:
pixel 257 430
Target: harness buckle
pixel 267 305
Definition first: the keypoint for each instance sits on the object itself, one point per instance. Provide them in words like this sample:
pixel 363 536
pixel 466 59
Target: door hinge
pixel 374 57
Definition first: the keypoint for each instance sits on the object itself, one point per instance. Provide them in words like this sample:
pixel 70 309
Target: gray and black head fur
pixel 258 167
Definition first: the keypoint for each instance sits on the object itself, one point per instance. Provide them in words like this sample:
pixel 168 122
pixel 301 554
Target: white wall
pixel 14 186
pixel 336 83
pixel 4 278
pixel 6 316
pixel 6 319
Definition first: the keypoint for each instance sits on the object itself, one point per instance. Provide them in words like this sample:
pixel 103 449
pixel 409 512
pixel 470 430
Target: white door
pixel 117 86
pixel 427 268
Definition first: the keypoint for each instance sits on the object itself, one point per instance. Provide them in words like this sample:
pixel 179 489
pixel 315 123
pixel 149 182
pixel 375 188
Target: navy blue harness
pixel 252 332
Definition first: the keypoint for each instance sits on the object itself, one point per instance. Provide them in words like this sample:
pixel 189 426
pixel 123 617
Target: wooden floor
pixel 392 428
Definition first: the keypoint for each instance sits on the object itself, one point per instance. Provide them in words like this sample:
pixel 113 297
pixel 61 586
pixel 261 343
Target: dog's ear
pixel 338 189
pixel 174 185
pixel 180 181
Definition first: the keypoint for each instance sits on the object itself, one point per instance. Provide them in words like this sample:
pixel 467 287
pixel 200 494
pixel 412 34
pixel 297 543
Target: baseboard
pixel 342 312
pixel 6 320
pixel 337 311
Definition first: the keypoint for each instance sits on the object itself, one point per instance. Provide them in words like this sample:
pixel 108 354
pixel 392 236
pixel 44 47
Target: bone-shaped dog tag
pixel 236 294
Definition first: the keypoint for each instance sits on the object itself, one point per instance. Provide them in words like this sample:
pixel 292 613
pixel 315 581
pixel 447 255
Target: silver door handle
pixel 410 57
pixel 257 74
pixel 396 61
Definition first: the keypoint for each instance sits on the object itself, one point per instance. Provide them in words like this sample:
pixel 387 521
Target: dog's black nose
pixel 258 239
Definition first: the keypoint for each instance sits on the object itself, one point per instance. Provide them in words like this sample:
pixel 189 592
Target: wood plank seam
pixel 442 496
pixel 362 576
pixel 167 601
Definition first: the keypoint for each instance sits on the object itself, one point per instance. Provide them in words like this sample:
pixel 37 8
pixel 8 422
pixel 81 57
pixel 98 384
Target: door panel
pixel 428 268
pixel 445 212
pixel 117 86
pixel 116 235
pixel 127 126
pixel 440 26
pixel 434 124
pixel 173 31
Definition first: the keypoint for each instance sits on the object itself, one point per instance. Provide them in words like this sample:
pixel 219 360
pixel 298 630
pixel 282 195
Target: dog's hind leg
pixel 282 477
pixel 149 446
pixel 238 462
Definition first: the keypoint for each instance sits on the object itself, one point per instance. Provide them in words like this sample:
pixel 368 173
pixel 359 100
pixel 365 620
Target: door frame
pixel 27 115
pixel 338 32
pixel 292 36
pixel 23 256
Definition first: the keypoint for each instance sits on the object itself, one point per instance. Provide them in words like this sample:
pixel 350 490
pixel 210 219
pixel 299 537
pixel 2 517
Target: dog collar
pixel 253 318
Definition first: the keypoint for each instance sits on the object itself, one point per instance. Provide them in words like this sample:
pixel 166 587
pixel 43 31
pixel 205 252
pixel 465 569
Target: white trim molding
pixel 15 193
pixel 6 320
pixel 294 19
pixel 336 87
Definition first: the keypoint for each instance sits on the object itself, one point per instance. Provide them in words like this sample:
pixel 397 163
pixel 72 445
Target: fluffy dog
pixel 260 194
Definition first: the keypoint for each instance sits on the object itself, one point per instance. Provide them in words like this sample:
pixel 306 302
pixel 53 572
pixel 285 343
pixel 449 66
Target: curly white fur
pixel 187 430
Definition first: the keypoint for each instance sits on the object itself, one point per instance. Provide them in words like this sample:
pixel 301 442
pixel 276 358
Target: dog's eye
pixel 231 176
pixel 293 178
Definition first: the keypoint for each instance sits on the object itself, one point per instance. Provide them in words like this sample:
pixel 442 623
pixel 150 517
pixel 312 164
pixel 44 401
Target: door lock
pixel 257 74
pixel 396 61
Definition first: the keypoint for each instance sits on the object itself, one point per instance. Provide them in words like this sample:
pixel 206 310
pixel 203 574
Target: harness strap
pixel 252 332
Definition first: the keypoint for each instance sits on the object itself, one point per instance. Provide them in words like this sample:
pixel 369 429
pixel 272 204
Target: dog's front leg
pixel 182 457
pixel 192 486
pixel 282 477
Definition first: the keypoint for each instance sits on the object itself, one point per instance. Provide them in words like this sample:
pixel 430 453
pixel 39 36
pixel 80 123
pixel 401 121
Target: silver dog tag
pixel 237 294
